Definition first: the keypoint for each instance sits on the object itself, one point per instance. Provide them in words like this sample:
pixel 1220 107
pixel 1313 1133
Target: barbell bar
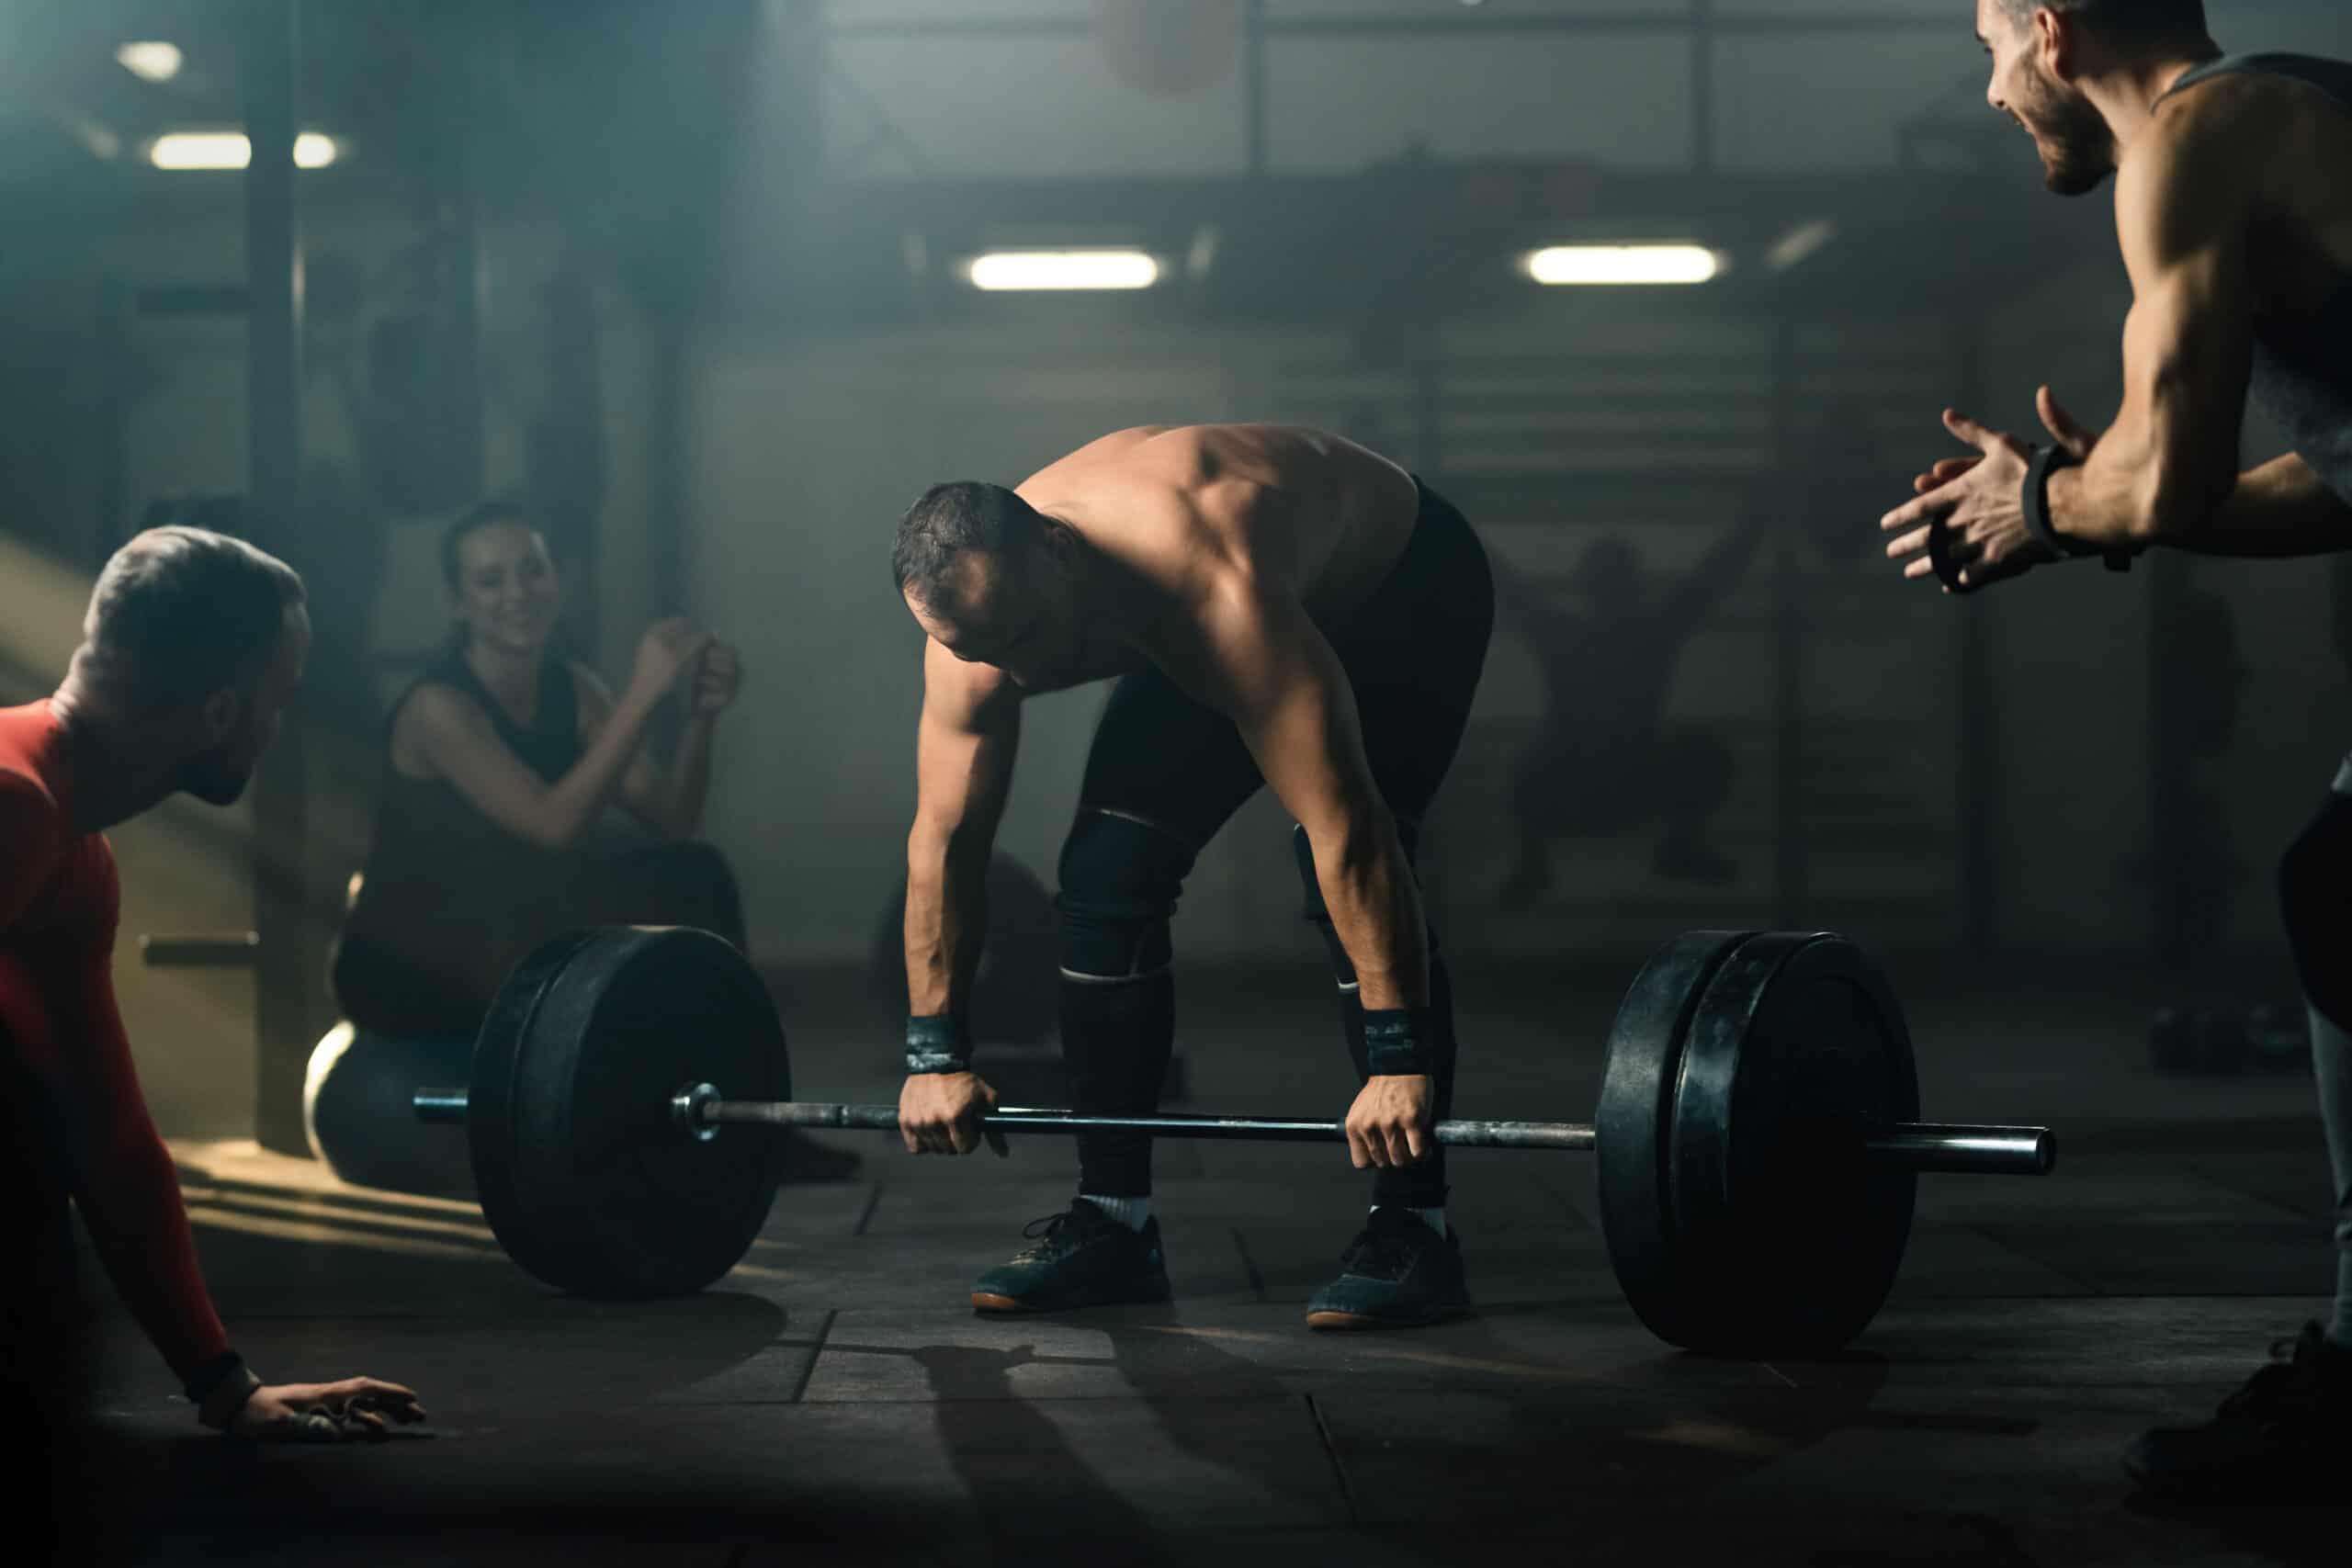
pixel 1954 1147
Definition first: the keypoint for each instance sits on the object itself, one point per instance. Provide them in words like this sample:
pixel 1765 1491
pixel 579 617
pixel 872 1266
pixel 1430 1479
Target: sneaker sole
pixel 1014 1306
pixel 1351 1322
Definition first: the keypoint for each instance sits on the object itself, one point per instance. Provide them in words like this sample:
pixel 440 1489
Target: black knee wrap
pixel 1120 878
pixel 2313 878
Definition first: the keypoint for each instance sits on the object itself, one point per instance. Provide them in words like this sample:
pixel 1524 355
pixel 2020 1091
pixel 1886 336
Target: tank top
pixel 448 895
pixel 2303 364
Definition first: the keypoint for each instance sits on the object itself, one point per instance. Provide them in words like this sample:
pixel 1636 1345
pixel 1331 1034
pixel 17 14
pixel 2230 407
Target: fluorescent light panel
pixel 150 60
pixel 230 150
pixel 1010 270
pixel 1624 263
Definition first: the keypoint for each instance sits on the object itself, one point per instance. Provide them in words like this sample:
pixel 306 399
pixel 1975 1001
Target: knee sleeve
pixel 2314 877
pixel 1320 915
pixel 1120 877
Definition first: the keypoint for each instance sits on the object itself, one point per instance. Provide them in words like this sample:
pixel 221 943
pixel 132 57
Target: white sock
pixel 1433 1218
pixel 1129 1212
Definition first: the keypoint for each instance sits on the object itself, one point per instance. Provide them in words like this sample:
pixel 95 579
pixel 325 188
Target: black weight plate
pixel 1786 1238
pixel 1634 1127
pixel 585 1179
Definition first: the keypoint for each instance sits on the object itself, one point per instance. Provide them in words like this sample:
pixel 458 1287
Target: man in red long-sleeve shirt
pixel 193 645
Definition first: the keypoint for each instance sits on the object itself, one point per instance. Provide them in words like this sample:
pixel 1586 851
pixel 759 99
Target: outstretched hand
pixel 1967 524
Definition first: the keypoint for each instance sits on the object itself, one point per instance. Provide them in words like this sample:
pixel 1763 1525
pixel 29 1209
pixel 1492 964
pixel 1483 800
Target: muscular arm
pixel 965 745
pixel 2165 471
pixel 452 735
pixel 1254 654
pixel 2280 509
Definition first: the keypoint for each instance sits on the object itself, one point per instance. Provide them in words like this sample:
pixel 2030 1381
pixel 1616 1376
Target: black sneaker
pixel 2287 1432
pixel 1083 1258
pixel 1398 1274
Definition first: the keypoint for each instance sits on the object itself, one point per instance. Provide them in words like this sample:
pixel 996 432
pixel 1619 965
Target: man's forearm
pixel 2280 509
pixel 1375 908
pixel 2103 502
pixel 947 917
pixel 2155 476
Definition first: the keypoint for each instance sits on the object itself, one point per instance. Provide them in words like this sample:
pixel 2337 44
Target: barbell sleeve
pixel 1960 1148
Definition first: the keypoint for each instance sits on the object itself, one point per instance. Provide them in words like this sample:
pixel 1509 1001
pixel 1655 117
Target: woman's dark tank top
pixel 2302 365
pixel 447 893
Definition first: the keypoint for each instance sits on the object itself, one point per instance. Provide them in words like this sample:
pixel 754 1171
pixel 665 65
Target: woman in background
pixel 519 800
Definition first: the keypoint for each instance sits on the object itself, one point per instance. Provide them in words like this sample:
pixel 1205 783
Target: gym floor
pixel 835 1400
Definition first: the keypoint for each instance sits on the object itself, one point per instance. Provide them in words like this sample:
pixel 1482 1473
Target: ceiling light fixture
pixel 1624 263
pixel 229 150
pixel 1000 271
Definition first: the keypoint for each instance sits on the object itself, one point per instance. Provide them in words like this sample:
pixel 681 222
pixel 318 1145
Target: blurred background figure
pixel 1604 760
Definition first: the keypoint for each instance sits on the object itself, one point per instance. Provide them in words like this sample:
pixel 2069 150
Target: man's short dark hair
pixel 947 521
pixel 2137 21
pixel 180 612
pixel 484 515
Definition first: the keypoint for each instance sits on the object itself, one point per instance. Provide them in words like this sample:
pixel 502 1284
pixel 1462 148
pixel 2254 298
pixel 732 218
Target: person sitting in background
pixel 497 826
pixel 494 832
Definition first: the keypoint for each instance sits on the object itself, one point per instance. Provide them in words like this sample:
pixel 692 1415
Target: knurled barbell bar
pixel 1966 1149
pixel 1757 1133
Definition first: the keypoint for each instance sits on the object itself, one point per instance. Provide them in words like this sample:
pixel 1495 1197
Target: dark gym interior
pixel 703 292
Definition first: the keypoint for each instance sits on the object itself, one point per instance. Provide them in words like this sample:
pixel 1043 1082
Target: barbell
pixel 1758 1132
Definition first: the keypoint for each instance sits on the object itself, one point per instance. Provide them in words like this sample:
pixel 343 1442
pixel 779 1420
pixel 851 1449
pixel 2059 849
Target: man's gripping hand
pixel 1389 1122
pixel 939 1113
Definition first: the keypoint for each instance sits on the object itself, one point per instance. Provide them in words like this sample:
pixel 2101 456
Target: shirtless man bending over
pixel 1278 606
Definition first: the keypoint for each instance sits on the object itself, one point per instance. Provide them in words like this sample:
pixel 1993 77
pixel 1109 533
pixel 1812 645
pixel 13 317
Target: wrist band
pixel 1395 1042
pixel 2048 460
pixel 220 1388
pixel 938 1042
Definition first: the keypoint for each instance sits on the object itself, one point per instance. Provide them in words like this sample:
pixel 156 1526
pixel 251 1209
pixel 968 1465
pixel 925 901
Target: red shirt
pixel 59 902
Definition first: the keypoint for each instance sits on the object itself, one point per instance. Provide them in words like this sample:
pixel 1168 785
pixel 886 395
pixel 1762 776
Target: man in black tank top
pixel 2234 206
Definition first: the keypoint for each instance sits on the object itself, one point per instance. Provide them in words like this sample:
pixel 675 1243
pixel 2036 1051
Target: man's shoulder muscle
pixel 2193 178
pixel 2221 132
pixel 962 695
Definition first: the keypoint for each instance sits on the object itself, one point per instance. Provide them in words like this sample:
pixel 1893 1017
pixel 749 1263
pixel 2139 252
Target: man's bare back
pixel 1180 507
